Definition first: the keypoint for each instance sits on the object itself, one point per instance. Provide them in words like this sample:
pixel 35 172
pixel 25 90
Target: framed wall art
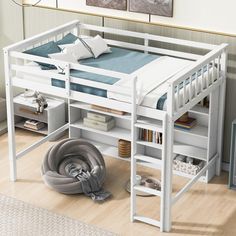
pixel 112 4
pixel 153 7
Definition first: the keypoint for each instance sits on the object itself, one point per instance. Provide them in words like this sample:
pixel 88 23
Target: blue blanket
pixel 120 60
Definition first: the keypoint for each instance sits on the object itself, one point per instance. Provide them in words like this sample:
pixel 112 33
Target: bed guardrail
pixel 195 82
pixel 53 34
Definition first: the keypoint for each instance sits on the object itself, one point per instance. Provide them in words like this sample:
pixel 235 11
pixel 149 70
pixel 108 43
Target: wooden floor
pixel 205 210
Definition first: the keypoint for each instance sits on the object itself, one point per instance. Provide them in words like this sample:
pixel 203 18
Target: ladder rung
pixel 147 190
pixel 148 220
pixel 148 159
pixel 148 126
pixel 149 144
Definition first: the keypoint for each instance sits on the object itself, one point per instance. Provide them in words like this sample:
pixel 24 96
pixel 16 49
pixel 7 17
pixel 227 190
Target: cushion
pixel 98 45
pixel 78 50
pixel 68 39
pixel 62 56
pixel 43 51
pixel 87 47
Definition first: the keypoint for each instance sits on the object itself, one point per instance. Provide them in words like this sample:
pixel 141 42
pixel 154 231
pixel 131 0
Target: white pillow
pixel 62 56
pixel 98 45
pixel 77 49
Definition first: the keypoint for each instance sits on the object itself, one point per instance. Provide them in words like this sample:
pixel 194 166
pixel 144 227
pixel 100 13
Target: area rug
pixel 18 218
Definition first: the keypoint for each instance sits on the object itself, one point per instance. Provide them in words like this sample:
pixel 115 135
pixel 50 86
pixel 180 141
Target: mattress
pixel 125 61
pixel 120 60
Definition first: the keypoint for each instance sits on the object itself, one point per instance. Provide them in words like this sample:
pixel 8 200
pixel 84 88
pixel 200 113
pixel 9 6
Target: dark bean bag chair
pixel 75 166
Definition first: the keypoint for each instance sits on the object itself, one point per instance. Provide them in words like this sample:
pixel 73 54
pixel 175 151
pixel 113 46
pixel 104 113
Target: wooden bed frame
pixel 204 142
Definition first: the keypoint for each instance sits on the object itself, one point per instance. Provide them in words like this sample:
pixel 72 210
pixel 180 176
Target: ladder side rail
pixel 10 117
pixel 133 148
pixel 168 159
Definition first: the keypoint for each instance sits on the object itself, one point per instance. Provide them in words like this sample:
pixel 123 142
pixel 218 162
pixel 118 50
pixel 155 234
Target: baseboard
pixel 225 166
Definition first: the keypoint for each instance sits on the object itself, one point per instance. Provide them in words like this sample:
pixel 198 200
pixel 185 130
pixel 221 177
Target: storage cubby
pixel 105 141
pixel 53 116
pixel 191 143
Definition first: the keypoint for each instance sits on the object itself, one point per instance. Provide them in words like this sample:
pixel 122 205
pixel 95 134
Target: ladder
pixel 137 157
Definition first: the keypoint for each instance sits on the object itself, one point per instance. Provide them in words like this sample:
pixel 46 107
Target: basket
pixel 124 148
pixel 188 168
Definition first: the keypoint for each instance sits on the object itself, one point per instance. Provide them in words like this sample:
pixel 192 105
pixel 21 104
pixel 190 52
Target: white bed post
pixel 222 90
pixel 146 43
pixel 133 150
pixel 10 118
pixel 76 30
pixel 167 168
pixel 163 173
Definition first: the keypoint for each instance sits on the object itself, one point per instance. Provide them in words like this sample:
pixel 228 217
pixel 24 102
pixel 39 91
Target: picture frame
pixel 153 7
pixel 111 4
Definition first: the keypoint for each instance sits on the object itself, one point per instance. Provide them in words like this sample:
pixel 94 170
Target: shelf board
pixel 87 107
pixel 108 150
pixel 149 144
pixel 190 151
pixel 150 124
pixel 200 110
pixel 112 151
pixel 43 131
pixel 116 132
pixel 198 130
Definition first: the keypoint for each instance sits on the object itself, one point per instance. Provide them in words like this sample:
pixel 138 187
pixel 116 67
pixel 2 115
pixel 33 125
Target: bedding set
pixel 152 70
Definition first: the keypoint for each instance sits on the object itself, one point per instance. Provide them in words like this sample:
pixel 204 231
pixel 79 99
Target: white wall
pixel 11 30
pixel 209 15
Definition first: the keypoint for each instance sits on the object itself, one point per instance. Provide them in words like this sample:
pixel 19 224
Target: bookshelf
pixel 192 143
pixel 53 116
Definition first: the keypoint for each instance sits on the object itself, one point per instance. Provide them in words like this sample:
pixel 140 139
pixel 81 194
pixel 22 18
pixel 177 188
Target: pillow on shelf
pixel 98 45
pixel 43 51
pixel 67 39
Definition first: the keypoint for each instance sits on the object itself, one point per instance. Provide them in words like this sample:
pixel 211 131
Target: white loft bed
pixel 204 142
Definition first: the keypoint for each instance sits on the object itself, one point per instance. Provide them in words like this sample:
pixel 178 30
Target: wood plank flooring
pixel 204 210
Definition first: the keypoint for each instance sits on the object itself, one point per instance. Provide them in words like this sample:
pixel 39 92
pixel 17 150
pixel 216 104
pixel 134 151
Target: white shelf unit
pixel 192 143
pixel 105 141
pixel 53 116
pixel 116 132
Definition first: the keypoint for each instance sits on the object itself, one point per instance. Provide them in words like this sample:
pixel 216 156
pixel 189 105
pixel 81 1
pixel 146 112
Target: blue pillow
pixel 68 39
pixel 43 51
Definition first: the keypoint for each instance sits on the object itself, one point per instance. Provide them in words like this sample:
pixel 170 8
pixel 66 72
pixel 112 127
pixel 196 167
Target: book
pixel 105 109
pixel 188 124
pixel 149 136
pixel 34 124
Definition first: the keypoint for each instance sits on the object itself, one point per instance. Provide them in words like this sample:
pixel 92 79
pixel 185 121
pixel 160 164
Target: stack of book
pixel 99 121
pixel 34 124
pixel 109 110
pixel 185 122
pixel 150 136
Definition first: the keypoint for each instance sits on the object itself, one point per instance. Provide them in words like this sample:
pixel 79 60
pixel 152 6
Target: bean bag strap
pixel 90 184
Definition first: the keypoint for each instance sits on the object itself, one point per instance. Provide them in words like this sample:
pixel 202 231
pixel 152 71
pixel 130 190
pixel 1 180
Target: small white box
pixel 99 125
pixel 98 117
